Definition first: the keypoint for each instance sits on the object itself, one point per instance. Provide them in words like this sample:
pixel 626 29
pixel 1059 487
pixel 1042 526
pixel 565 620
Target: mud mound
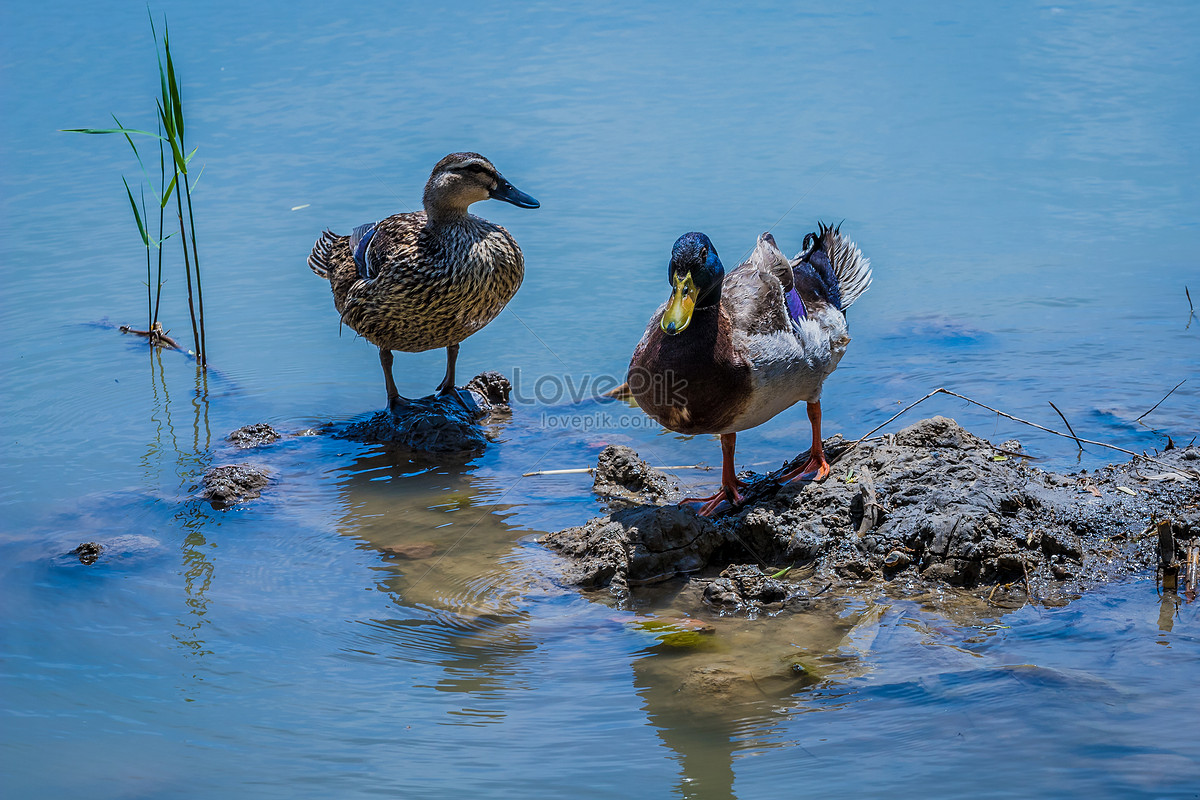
pixel 232 484
pixel 248 436
pixel 621 474
pixel 437 424
pixel 930 505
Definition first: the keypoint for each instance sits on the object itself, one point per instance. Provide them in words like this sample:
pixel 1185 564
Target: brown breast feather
pixel 693 382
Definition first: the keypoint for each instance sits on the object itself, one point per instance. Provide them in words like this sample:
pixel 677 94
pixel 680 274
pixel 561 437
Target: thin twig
pixel 156 335
pixel 1064 419
pixel 891 419
pixel 1194 475
pixel 590 470
pixel 1160 402
pixel 1191 308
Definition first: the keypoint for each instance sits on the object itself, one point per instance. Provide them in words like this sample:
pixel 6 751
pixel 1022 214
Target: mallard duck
pixel 418 281
pixel 728 353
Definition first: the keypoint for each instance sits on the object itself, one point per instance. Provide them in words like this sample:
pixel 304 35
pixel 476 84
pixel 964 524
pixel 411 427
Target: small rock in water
pixel 88 552
pixel 621 473
pixel 231 484
pixel 259 433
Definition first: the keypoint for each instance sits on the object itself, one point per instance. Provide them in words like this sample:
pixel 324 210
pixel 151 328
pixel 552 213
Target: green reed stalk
pixel 177 108
pixel 170 133
pixel 162 204
pixel 149 302
pixel 196 261
pixel 137 215
pixel 171 114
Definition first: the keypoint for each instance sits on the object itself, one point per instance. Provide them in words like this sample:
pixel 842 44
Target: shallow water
pixel 1021 175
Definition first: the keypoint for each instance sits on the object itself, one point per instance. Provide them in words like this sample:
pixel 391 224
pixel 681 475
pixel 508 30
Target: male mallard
pixel 413 282
pixel 726 354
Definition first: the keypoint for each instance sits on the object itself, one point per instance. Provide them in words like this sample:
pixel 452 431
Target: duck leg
pixel 816 468
pixel 729 481
pixel 447 384
pixel 393 394
pixel 447 388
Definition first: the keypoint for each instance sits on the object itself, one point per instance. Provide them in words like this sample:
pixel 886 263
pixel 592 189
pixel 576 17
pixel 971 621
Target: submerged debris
pixel 930 505
pixel 114 549
pixel 411 551
pixel 88 552
pixel 232 484
pixel 437 424
pixel 248 436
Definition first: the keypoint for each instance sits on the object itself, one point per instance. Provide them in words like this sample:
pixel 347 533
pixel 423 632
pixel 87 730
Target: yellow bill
pixel 679 311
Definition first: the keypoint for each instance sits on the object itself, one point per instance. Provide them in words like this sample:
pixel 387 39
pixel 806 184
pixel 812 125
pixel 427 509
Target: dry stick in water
pixel 1064 419
pixel 942 390
pixel 590 470
pixel 1160 402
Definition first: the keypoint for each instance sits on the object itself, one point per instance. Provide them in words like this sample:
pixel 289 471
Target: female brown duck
pixel 727 353
pixel 429 279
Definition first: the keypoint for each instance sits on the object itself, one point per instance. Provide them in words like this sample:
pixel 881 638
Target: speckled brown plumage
pixel 428 279
pixel 437 285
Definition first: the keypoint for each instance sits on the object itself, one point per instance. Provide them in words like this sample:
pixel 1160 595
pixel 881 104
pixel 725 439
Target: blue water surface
pixel 1021 175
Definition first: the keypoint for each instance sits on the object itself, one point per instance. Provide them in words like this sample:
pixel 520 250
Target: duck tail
pixel 850 267
pixel 319 261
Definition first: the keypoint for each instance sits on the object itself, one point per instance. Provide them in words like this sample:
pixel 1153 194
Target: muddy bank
pixel 931 506
pixel 437 424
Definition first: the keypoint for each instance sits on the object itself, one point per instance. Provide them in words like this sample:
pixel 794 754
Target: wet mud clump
pixel 254 435
pixel 231 484
pixel 437 424
pixel 932 505
pixel 620 474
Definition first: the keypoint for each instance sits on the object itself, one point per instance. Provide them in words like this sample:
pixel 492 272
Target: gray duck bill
pixel 510 194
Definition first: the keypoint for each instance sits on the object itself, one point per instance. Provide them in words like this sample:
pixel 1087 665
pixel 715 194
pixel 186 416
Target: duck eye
pixel 704 254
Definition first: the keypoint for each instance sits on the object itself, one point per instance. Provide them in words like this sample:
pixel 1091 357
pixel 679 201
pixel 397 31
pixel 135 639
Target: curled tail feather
pixel 851 268
pixel 319 260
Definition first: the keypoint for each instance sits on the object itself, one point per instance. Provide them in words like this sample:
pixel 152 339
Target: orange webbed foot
pixel 726 494
pixel 813 471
